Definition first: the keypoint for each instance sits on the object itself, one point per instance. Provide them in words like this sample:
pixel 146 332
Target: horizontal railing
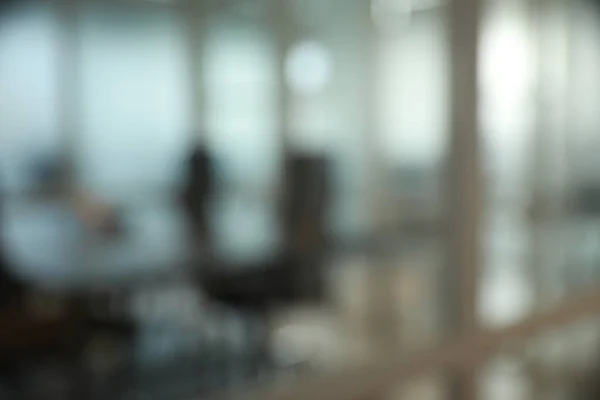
pixel 373 380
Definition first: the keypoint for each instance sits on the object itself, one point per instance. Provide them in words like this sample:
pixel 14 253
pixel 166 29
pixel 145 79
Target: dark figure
pixel 197 191
pixel 12 290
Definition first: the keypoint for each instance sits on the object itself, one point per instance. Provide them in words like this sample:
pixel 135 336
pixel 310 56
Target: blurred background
pixel 205 195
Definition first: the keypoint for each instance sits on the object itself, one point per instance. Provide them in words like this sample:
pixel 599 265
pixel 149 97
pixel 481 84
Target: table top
pixel 45 242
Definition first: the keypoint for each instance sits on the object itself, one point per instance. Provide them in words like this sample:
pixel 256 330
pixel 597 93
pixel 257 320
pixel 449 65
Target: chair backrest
pixel 306 201
pixel 586 200
pixel 305 209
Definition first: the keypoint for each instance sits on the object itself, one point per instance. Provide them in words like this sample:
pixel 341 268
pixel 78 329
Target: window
pixel 241 101
pixel 135 100
pixel 29 134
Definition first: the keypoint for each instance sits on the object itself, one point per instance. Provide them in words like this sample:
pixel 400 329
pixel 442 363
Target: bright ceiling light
pixel 309 68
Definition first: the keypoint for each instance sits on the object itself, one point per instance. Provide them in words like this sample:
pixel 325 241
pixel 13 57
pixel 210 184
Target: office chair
pixel 294 273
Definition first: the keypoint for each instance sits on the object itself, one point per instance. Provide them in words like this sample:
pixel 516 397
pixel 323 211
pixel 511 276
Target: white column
pixel 549 170
pixel 195 16
pixel 282 25
pixel 70 91
pixel 465 183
